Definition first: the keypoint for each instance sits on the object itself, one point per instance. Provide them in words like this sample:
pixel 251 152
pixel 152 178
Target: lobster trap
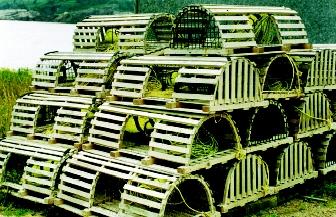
pixel 139 34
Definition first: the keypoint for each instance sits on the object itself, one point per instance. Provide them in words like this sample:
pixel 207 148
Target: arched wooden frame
pixel 247 180
pixel 153 196
pixel 262 125
pixel 281 75
pixel 180 147
pixel 294 165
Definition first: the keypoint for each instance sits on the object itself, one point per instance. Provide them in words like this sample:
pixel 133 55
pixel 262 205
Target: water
pixel 23 42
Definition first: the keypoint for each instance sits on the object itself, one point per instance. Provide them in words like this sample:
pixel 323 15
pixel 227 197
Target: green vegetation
pixel 13 84
pixel 321 30
pixel 70 11
pixel 13 211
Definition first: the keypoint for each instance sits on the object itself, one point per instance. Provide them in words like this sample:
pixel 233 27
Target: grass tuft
pixel 13 84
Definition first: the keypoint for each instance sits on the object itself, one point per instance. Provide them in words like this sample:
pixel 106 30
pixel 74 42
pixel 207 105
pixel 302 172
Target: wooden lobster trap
pixel 310 116
pixel 92 184
pixel 294 165
pixel 205 83
pixel 134 33
pixel 318 68
pixel 30 169
pixel 227 29
pixel 262 128
pixel 163 137
pixel 280 77
pixel 52 116
pixel 78 72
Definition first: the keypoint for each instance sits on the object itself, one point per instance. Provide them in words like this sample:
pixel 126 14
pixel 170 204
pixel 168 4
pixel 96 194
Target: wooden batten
pixel 294 166
pixel 247 180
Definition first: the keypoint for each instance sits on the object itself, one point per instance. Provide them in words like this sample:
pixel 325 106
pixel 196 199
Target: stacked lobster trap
pixel 230 103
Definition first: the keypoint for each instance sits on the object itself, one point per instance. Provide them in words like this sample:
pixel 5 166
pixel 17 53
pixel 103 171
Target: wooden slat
pixel 76 182
pixel 127 85
pixel 294 41
pixel 144 191
pixel 129 77
pixel 80 173
pixel 68 129
pixel 137 210
pixel 91 80
pixel 235 27
pixel 193 96
pixel 141 201
pixel 232 18
pixel 170 137
pixel 73 200
pixel 291 26
pixel 37 189
pixel 167 127
pixel 293 33
pixel 287 18
pixel 105 124
pixel 105 143
pixel 38 180
pixel 212 81
pixel 105 134
pixel 183 150
pixel 41 163
pixel 70 120
pixel 63 187
pixel 169 157
pixel 126 93
pixel 39 172
pixel 208 72
pixel 238 35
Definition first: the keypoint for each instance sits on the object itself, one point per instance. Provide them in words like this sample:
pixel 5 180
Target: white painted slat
pixel 76 182
pixel 235 27
pixel 169 157
pixel 193 96
pixel 172 138
pixel 129 77
pixel 293 33
pixel 38 180
pixel 238 35
pixel 105 143
pixel 86 175
pixel 291 26
pixel 208 72
pixel 295 41
pixel 105 134
pixel 144 191
pixel 232 18
pixel 107 125
pixel 127 85
pixel 126 93
pixel 142 201
pixel 166 127
pixel 212 81
pixel 183 150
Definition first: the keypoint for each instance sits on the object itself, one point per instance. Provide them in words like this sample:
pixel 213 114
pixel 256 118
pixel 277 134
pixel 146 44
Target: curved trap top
pixel 223 29
pixel 84 73
pixel 135 33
